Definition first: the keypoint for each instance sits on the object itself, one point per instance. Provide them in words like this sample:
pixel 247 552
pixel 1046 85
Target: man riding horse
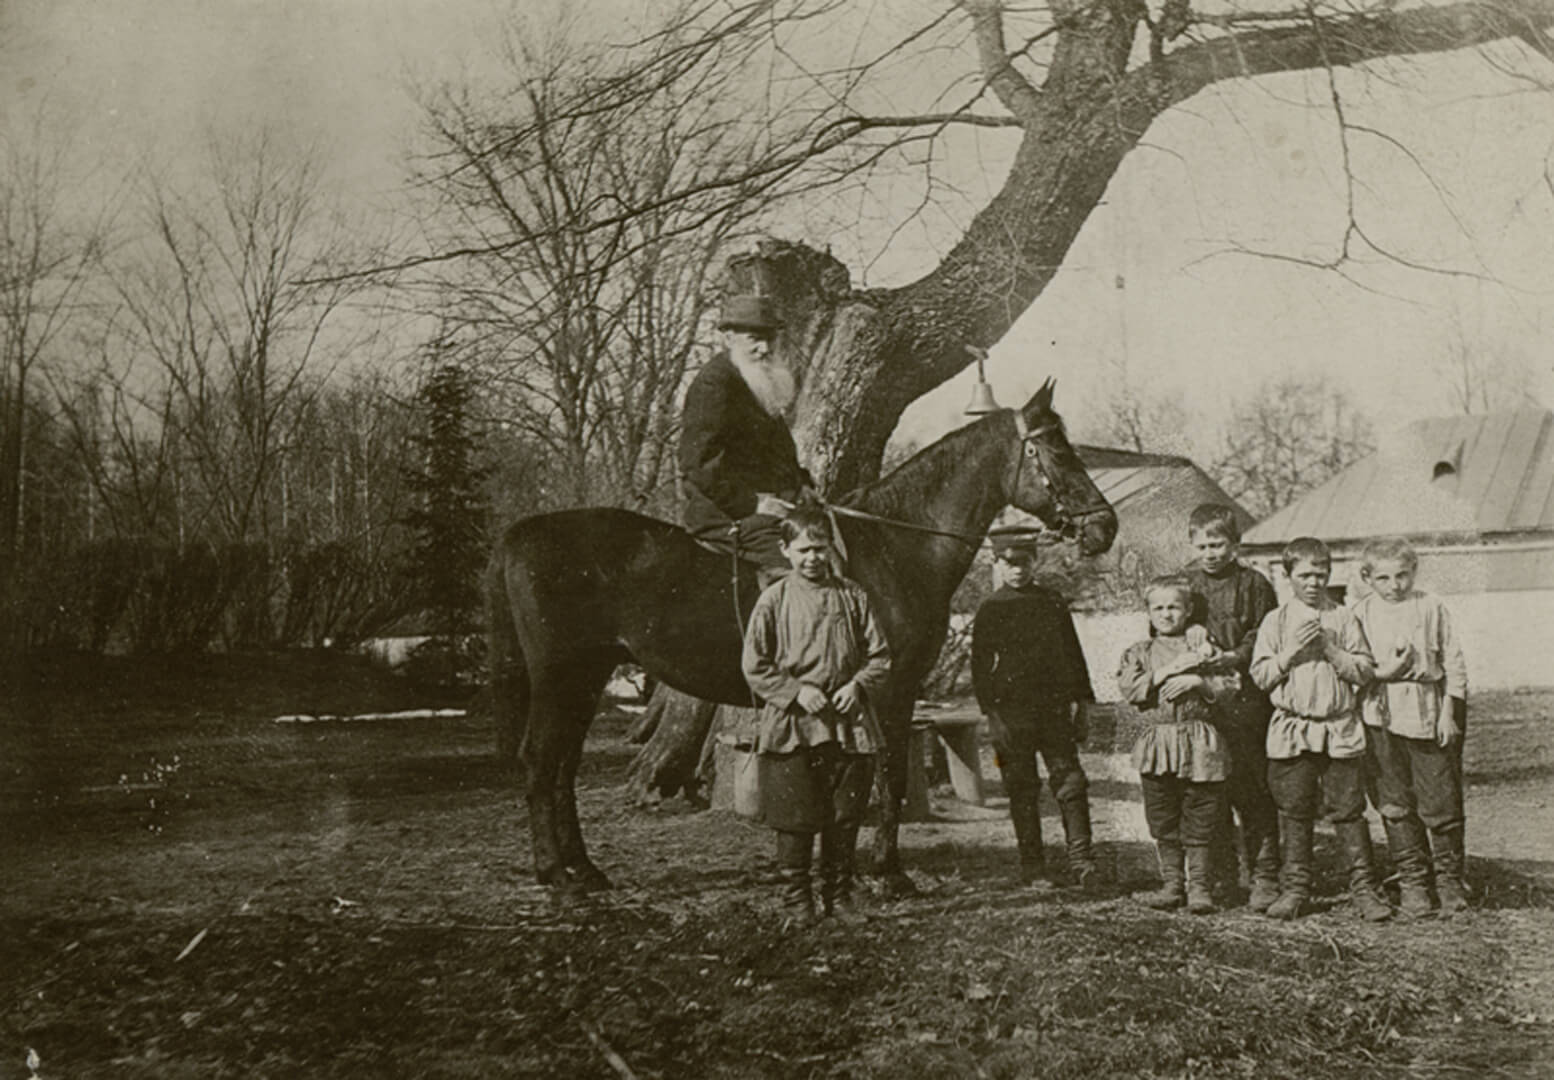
pixel 738 463
pixel 575 593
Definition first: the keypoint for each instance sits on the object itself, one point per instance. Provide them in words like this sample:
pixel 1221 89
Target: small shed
pixel 1475 496
pixel 1153 495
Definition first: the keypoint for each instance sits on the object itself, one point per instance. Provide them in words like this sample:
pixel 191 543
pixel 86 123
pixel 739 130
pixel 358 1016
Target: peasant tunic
pixel 1315 700
pixel 1180 740
pixel 1409 704
pixel 823 634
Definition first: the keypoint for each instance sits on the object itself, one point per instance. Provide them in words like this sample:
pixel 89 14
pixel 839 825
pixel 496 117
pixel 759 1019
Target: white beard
pixel 771 382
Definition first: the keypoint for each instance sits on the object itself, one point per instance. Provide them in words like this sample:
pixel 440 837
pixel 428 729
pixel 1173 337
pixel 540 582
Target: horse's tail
pixel 505 661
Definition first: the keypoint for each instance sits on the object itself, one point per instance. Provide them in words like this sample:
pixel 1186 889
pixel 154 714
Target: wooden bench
pixel 957 733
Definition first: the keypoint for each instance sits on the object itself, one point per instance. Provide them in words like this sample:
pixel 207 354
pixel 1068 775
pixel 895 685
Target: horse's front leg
pixel 892 795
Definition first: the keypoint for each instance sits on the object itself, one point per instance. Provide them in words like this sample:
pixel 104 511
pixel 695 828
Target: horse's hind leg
pixel 541 761
pixel 561 708
pixel 569 834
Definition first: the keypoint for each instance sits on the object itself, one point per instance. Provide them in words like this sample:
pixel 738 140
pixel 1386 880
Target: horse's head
pixel 1050 481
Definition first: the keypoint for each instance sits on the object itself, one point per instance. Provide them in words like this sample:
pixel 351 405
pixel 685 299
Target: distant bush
pixel 442 662
pixel 147 596
pixel 339 594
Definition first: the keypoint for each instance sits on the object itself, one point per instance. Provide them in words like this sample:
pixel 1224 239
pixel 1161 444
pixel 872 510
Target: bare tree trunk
pixel 668 762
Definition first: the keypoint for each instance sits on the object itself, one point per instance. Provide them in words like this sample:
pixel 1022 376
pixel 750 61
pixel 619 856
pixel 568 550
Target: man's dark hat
pixel 1012 539
pixel 748 313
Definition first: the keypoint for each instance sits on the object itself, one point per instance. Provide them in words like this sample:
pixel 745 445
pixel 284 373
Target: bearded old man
pixel 738 464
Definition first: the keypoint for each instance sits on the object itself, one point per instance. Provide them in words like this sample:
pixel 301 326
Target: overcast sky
pixel 1159 282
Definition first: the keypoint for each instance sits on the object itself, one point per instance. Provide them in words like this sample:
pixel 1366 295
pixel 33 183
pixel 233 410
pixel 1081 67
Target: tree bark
pixel 668 762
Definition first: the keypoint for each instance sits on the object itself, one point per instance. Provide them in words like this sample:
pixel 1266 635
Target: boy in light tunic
pixel 815 658
pixel 1414 714
pixel 1312 658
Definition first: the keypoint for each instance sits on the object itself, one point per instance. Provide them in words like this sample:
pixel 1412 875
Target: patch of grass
pixel 1508 737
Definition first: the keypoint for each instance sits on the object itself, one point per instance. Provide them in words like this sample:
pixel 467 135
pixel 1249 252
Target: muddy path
pixel 194 890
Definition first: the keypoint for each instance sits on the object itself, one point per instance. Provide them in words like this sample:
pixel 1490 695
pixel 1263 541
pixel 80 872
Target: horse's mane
pixel 899 493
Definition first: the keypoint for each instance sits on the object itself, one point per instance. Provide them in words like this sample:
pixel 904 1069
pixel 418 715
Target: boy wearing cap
pixel 738 463
pixel 1032 683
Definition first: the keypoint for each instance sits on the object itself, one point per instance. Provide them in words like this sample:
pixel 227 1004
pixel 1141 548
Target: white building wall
pixel 1507 632
pixel 1508 637
pixel 1103 637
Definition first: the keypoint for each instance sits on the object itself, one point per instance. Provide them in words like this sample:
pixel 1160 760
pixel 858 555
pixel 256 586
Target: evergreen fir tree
pixel 449 551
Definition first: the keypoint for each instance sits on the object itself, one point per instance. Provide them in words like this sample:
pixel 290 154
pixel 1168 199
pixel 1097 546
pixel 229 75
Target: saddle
pixel 726 543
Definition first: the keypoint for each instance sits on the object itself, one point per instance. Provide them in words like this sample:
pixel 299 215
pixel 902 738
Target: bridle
pixel 1031 446
pixel 1069 521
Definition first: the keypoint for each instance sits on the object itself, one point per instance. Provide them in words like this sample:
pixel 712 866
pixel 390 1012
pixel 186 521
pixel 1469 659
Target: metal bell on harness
pixel 982 400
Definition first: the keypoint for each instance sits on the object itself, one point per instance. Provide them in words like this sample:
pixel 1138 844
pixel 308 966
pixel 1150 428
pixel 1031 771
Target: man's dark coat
pixel 730 449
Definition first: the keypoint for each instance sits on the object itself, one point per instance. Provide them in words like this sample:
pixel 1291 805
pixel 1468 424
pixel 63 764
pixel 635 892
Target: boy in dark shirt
pixel 1230 601
pixel 1032 683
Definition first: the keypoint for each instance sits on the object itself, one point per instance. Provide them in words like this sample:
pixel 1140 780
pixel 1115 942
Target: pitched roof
pixel 1156 486
pixel 1492 473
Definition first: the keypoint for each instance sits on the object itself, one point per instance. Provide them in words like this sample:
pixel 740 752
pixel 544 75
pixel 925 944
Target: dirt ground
pixel 194 890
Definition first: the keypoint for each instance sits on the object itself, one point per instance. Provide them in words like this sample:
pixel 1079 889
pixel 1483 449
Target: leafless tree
pixel 1479 373
pixel 575 191
pixel 1139 415
pixel 1285 440
pixel 47 256
pixel 1077 86
pixel 218 304
pixel 203 426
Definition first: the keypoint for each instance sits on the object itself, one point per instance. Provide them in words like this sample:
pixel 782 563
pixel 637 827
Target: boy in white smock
pixel 1414 714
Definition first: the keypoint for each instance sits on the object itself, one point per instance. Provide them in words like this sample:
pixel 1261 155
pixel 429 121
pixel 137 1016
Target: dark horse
pixel 573 594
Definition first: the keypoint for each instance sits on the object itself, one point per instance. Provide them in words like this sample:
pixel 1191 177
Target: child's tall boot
pixel 1171 893
pixel 838 847
pixel 1364 889
pixel 1295 870
pixel 1200 897
pixel 1263 852
pixel 1076 831
pixel 1450 865
pixel 794 854
pixel 1025 812
pixel 1410 850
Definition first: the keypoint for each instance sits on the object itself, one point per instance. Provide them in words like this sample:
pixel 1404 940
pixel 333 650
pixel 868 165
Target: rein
pixel 1029 448
pixel 1029 438
pixel 973 539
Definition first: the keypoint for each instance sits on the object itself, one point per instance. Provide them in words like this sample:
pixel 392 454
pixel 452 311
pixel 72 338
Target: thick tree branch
pixel 1348 41
pixel 1072 147
pixel 1011 88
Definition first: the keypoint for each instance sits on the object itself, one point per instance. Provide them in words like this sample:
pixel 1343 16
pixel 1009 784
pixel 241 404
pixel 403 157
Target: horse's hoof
pixel 554 876
pixel 897 886
pixel 591 879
